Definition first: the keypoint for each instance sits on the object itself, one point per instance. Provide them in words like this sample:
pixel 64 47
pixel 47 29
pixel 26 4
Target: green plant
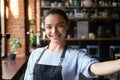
pixel 33 20
pixel 33 38
pixel 15 43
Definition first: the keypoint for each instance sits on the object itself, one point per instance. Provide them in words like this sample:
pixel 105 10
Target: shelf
pixel 77 39
pixel 78 7
pixel 93 39
pixel 93 18
pixel 113 10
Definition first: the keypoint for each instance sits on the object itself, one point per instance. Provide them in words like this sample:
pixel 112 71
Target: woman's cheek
pixel 47 33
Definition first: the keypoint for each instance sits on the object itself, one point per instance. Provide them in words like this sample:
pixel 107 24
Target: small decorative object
pixel 114 4
pixel 54 4
pixel 15 43
pixel 87 3
pixel 91 36
pixel 82 3
pixel 67 3
pixel 59 4
pixel 12 56
pixel 45 3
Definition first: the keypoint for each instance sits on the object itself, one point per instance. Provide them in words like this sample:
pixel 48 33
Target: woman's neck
pixel 56 47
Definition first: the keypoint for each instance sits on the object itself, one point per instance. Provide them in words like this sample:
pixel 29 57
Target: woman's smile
pixel 55 36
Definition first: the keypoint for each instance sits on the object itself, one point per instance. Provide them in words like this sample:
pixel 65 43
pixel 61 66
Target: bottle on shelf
pixel 95 3
pixel 75 32
pixel 70 1
pixel 75 2
pixel 45 3
pixel 82 3
pixel 114 3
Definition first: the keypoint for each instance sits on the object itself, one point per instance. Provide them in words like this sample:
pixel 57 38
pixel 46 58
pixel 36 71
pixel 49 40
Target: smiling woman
pixel 58 61
pixel 56 56
pixel 56 28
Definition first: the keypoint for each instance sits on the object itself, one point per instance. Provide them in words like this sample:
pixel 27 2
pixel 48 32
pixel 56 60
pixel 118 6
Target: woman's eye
pixel 48 27
pixel 60 25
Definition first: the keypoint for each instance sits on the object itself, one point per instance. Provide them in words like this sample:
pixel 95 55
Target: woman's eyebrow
pixel 57 23
pixel 61 22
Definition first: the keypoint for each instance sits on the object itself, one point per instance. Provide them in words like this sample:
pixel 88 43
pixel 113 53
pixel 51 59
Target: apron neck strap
pixel 41 54
pixel 63 55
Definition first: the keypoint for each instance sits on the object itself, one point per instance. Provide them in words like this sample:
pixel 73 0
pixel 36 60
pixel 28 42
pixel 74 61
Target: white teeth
pixel 55 36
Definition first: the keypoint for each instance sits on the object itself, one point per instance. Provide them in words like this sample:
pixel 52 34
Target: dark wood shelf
pixel 86 18
pixel 78 7
pixel 78 39
pixel 92 18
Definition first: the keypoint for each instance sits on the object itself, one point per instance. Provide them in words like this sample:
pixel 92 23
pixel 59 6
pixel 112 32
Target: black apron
pixel 48 72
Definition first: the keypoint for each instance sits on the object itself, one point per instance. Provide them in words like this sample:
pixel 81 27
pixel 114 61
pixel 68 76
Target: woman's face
pixel 55 27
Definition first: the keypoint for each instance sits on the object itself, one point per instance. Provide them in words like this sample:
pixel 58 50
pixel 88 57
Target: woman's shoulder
pixel 75 51
pixel 37 51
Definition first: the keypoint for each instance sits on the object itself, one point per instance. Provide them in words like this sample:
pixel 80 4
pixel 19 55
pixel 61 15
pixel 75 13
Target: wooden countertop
pixel 10 68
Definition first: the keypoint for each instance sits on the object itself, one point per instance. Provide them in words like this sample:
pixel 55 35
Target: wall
pixel 32 15
pixel 15 23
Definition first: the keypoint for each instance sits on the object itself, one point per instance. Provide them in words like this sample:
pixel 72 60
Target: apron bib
pixel 48 72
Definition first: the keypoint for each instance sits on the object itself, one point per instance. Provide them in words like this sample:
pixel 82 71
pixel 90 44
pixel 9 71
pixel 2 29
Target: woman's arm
pixel 105 68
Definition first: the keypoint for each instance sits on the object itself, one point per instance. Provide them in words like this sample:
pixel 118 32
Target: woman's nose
pixel 54 30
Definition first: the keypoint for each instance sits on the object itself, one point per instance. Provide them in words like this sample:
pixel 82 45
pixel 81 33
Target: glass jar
pixel 87 3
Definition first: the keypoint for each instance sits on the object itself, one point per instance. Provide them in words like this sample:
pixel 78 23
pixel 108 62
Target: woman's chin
pixel 56 40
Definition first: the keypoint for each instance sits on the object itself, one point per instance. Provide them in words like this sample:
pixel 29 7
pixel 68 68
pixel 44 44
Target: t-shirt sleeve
pixel 31 62
pixel 29 70
pixel 84 63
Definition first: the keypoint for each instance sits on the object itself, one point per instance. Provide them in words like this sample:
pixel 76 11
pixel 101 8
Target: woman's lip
pixel 55 36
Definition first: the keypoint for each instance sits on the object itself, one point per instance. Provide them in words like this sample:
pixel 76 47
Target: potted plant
pixel 33 41
pixel 15 43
